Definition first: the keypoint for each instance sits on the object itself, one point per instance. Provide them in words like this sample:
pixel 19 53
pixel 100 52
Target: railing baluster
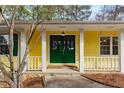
pixel 115 67
pixel 105 63
pixel 99 64
pixel 94 63
pixel 90 64
pixel 87 62
pixel 38 65
pixel 32 63
pixel 29 63
pixel 111 63
pixel 116 62
pixel 35 63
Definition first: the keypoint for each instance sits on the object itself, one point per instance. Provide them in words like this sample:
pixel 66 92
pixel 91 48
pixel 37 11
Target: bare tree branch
pixel 36 39
pixel 5 65
pixel 11 42
pixel 4 18
pixel 32 32
pixel 4 71
pixel 22 65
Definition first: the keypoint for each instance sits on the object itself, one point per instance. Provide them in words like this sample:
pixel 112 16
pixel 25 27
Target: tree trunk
pixel 13 73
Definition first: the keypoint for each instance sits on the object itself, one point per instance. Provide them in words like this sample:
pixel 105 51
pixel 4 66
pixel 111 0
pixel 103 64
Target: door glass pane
pixel 4 39
pixel 65 45
pixel 4 44
pixel 105 50
pixel 115 50
pixel 54 45
pixel 115 40
pixel 105 41
pixel 115 45
pixel 105 45
pixel 71 45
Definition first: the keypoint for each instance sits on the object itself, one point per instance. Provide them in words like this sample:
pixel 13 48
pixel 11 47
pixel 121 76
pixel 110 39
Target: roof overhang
pixel 72 26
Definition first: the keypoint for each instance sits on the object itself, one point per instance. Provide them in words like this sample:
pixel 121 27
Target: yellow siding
pixel 35 46
pixel 91 43
pixel 5 60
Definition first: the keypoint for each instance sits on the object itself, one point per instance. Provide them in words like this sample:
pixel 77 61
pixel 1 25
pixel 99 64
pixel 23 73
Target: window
pixel 115 45
pixel 109 45
pixel 4 44
pixel 4 39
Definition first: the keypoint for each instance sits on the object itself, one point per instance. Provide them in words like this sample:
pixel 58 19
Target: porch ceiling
pixel 84 27
pixel 73 26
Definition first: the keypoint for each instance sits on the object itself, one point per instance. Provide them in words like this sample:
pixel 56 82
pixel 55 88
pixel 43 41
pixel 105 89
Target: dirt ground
pixel 112 79
pixel 4 84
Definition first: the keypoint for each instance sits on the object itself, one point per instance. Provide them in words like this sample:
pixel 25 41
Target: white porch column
pixel 43 51
pixel 122 51
pixel 81 51
pixel 22 46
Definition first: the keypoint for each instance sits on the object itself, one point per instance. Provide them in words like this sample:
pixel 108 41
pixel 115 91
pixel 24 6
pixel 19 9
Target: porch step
pixel 53 73
pixel 52 76
pixel 62 71
pixel 61 74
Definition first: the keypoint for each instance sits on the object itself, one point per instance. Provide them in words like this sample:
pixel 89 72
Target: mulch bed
pixel 33 83
pixel 111 79
pixel 4 84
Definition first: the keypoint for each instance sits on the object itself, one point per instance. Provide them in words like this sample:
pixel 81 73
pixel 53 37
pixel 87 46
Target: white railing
pixel 91 63
pixel 34 63
pixel 102 63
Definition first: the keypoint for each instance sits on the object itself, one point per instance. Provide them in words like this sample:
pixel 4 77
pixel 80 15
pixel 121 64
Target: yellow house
pixel 88 46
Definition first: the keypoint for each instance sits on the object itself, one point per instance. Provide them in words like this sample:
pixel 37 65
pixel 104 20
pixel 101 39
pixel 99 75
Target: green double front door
pixel 62 49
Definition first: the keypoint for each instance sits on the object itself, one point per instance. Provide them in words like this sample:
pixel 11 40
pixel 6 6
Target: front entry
pixel 62 49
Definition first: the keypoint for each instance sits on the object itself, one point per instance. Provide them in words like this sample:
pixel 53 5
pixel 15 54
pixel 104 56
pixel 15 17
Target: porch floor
pixel 62 71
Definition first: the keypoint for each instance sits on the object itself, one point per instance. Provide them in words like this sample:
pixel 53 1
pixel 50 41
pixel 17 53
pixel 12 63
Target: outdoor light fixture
pixel 63 33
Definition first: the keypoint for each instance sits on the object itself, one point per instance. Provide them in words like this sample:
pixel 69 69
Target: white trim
pixel 81 52
pixel 43 33
pixel 23 46
pixel 122 51
pixel 18 52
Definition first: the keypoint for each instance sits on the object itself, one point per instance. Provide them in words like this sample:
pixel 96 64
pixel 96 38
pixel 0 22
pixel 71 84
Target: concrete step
pixel 50 76
pixel 60 72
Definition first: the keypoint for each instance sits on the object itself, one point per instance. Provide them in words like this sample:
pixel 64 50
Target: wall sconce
pixel 63 33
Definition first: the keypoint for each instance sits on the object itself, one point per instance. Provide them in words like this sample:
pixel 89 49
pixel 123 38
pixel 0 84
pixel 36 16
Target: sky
pixel 95 9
